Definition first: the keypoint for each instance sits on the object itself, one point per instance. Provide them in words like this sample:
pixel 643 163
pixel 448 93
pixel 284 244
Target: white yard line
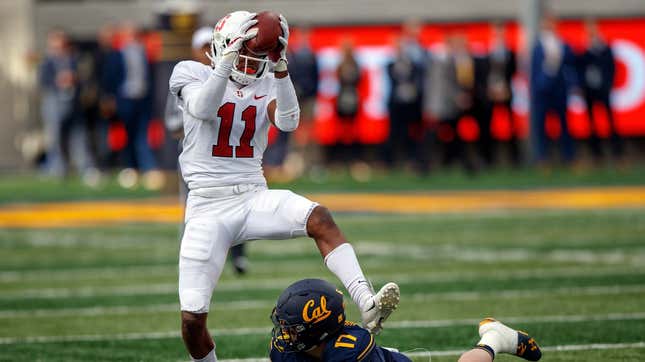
pixel 540 319
pixel 512 294
pixel 258 303
pixel 457 352
pixel 566 347
pixel 125 310
pixel 276 283
pixel 266 330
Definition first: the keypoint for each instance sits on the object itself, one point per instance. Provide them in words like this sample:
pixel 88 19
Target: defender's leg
pixel 341 259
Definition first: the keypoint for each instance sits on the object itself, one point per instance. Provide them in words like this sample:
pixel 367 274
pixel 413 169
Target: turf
pixel 567 277
pixel 30 187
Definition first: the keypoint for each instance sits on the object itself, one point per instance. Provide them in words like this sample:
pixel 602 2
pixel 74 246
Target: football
pixel 268 32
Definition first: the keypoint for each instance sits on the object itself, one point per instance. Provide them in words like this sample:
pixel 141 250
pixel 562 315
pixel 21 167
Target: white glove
pixel 242 35
pixel 279 56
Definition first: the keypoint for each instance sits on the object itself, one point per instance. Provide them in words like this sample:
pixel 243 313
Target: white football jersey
pixel 227 150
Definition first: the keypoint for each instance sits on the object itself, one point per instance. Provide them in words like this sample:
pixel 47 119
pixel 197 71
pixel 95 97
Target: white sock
pixel 499 337
pixel 210 357
pixel 343 263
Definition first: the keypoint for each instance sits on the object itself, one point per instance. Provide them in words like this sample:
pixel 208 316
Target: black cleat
pixel 527 347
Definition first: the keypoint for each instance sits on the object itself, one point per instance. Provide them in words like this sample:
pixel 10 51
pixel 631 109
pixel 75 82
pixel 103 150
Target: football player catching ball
pixel 227 108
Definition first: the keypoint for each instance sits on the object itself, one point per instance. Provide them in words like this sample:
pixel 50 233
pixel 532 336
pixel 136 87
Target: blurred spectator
pixel 130 85
pixel 552 76
pixel 104 57
pixel 502 67
pixel 93 94
pixel 411 42
pixel 61 111
pixel 303 69
pixel 596 70
pixel 304 73
pixel 405 111
pixel 451 85
pixel 347 103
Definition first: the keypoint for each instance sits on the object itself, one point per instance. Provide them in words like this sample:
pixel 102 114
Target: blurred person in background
pixel 93 84
pixel 450 84
pixel 304 73
pixel 411 42
pixel 596 71
pixel 131 87
pixel 173 119
pixel 106 103
pixel 502 67
pixel 347 104
pixel 61 109
pixel 404 105
pixel 553 75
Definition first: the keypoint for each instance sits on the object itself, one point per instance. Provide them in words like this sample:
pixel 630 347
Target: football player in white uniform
pixel 227 109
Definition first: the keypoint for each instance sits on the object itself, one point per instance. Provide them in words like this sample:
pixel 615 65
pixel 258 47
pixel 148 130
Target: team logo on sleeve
pixel 313 314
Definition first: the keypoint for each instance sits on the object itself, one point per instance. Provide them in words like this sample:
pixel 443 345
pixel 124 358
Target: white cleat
pixel 385 302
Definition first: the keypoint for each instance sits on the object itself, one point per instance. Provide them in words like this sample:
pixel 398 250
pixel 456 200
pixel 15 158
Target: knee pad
pixel 194 300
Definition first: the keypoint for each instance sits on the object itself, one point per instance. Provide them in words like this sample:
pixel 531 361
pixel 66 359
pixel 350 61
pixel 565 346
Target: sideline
pixel 93 213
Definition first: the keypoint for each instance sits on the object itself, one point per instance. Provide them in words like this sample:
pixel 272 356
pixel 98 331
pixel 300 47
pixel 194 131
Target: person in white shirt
pixel 227 108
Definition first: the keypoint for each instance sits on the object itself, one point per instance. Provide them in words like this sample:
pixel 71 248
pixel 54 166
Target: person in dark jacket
pixel 303 70
pixel 405 110
pixel 553 75
pixel 502 67
pixel 128 79
pixel 596 69
pixel 347 104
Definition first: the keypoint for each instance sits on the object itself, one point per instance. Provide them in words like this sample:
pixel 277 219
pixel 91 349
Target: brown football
pixel 268 32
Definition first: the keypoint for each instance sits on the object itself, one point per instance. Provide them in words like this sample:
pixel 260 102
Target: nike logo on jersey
pixel 260 97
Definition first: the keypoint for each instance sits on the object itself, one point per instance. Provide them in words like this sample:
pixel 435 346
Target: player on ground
pixel 310 325
pixel 227 108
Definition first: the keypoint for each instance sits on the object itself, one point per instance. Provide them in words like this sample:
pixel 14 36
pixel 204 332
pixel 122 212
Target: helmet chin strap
pixel 211 58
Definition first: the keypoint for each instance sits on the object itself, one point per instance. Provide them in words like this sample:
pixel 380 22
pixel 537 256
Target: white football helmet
pixel 249 67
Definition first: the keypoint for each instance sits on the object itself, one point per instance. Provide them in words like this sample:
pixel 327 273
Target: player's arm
pixel 283 111
pixel 203 100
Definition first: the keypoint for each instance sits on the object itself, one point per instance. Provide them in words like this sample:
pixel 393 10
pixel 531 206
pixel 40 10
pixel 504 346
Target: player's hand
pixel 279 55
pixel 242 35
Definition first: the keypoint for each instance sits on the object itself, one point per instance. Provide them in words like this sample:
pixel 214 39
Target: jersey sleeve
pixel 352 344
pixel 187 73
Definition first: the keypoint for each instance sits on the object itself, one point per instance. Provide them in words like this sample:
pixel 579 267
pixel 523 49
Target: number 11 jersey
pixel 226 149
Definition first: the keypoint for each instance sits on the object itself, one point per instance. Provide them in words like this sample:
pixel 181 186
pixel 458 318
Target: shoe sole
pixel 389 300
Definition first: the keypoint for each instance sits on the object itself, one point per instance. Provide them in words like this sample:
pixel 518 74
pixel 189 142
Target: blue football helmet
pixel 307 313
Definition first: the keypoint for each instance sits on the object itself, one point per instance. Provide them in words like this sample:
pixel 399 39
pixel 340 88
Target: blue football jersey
pixel 353 343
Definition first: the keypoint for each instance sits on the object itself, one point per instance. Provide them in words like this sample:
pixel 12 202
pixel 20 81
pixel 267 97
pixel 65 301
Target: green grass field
pixel 29 187
pixel 570 278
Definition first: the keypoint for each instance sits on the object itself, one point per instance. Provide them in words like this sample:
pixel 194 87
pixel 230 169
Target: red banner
pixel 373 51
